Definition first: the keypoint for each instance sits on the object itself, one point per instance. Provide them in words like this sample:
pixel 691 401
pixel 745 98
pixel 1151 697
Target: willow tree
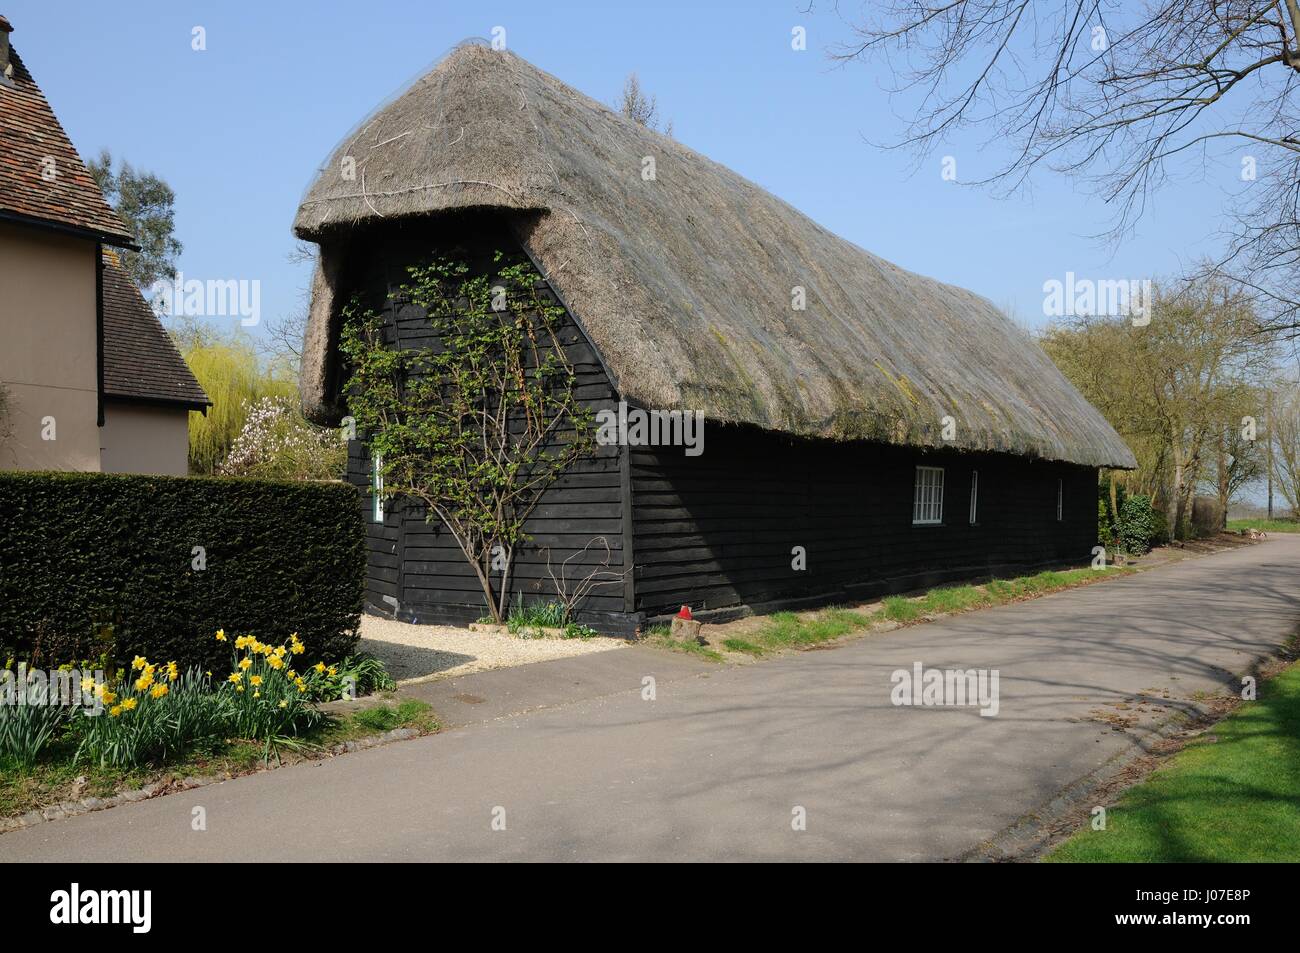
pixel 479 424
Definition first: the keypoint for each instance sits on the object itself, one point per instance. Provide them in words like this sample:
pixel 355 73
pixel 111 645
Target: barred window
pixel 927 502
pixel 377 489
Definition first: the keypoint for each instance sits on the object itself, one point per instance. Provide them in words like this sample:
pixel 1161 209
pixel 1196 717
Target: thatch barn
pixel 868 429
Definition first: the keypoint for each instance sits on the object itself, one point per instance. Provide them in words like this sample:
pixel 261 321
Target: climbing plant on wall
pixel 480 421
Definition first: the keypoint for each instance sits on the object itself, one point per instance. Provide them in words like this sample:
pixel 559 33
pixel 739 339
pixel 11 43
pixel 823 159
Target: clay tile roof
pixel 140 360
pixel 31 136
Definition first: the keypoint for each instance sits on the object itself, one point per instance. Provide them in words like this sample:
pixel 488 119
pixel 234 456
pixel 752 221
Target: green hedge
pixel 95 563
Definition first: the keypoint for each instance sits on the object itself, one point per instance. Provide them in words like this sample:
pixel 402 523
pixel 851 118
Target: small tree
pixel 147 204
pixel 277 443
pixel 480 424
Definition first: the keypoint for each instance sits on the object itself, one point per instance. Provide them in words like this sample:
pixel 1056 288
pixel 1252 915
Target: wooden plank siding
pixel 417 563
pixel 718 531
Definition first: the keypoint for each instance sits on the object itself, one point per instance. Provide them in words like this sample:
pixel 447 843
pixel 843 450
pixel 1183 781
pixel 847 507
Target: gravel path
pixel 439 651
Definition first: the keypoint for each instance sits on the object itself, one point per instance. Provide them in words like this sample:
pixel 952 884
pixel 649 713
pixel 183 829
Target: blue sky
pixel 239 128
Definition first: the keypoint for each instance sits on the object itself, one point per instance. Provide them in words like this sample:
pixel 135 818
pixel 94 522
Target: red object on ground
pixel 685 613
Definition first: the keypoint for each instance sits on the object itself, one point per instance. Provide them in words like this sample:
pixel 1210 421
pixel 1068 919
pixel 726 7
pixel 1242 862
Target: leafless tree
pixel 1114 91
pixel 572 593
pixel 641 108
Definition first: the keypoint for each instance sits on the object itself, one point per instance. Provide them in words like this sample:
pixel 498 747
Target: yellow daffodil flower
pixel 256 679
pixel 138 662
pixel 159 691
pixel 128 704
pixel 115 711
pixel 235 678
pixel 221 635
pixel 246 663
pixel 320 667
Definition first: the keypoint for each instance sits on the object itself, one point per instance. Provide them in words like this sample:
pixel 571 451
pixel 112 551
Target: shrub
pixel 278 443
pixel 1105 534
pixel 1139 524
pixel 86 554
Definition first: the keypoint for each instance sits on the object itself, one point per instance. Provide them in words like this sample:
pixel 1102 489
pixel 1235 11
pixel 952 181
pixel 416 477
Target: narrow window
pixel 927 501
pixel 377 488
pixel 1060 498
pixel 974 495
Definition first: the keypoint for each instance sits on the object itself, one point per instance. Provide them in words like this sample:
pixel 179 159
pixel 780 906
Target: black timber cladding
pixel 717 531
pixel 416 569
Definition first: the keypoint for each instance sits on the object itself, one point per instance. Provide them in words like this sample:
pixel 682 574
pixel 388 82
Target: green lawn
pixel 1268 526
pixel 1236 798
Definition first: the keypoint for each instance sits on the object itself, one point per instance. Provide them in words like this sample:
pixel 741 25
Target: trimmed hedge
pixel 97 563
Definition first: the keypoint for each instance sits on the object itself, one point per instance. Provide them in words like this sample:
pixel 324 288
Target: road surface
pixel 724 760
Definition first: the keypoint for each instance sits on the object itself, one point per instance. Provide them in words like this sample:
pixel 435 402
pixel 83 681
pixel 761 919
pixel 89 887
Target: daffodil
pixel 246 663
pixel 235 678
pixel 239 688
pixel 275 662
pixel 284 704
pixel 320 667
pixel 143 682
pixel 159 691
pixel 256 679
pixel 173 672
pixel 138 662
pixel 242 641
pixel 221 635
pixel 128 704
pixel 257 694
pixel 279 651
pixel 115 711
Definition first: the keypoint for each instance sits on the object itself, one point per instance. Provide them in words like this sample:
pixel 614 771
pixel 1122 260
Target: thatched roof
pixel 684 283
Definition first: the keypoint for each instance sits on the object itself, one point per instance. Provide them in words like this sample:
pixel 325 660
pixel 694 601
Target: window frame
pixel 377 488
pixel 974 497
pixel 927 496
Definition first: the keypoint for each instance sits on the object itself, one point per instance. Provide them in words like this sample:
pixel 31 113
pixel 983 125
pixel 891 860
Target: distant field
pixel 1288 525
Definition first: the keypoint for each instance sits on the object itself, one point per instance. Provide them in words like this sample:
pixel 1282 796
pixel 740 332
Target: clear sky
pixel 239 129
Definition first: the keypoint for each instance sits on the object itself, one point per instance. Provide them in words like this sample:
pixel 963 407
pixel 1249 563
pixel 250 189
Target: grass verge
pixel 785 630
pixel 56 778
pixel 1268 526
pixel 1233 794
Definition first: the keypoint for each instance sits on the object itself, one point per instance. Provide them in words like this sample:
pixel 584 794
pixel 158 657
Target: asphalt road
pixel 718 764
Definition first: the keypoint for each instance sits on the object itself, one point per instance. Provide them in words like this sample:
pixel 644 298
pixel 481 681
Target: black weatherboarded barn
pixel 865 429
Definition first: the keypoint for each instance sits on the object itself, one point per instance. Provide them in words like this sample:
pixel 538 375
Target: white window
pixel 974 495
pixel 1060 498
pixel 377 488
pixel 927 502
